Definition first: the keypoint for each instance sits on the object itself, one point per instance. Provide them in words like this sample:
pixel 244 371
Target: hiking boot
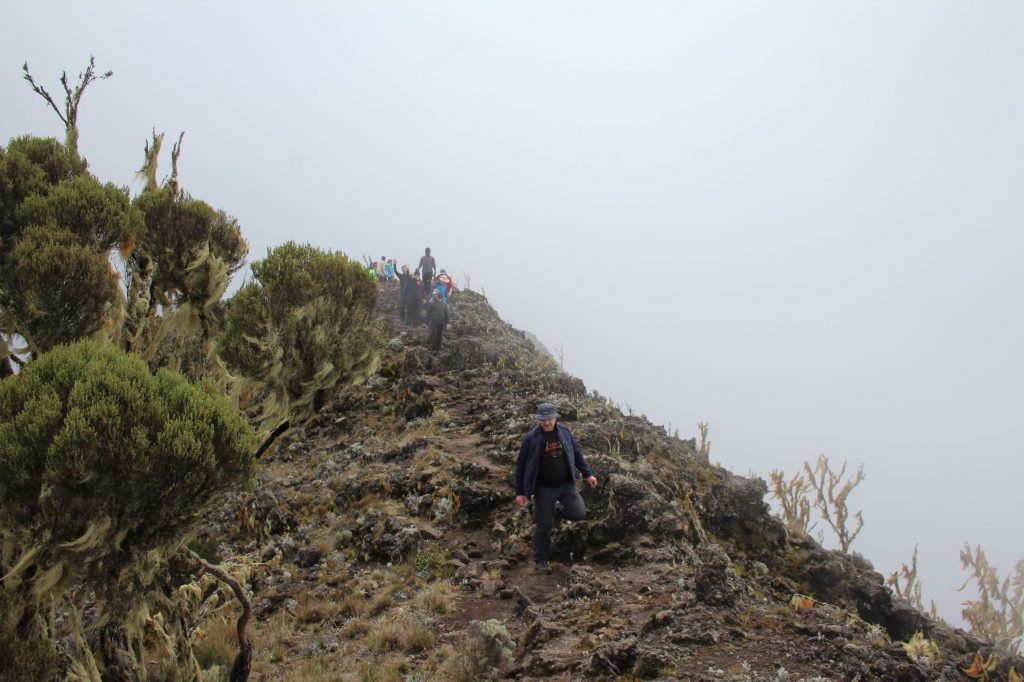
pixel 543 567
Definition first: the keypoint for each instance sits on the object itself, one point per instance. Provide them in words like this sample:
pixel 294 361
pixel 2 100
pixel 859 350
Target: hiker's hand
pixel 521 500
pixel 592 481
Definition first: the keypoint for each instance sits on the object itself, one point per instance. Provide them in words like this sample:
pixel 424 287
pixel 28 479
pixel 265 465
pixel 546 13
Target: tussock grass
pixel 388 670
pixel 380 604
pixel 271 636
pixel 417 638
pixel 350 606
pixel 387 635
pixel 435 598
pixel 356 628
pixel 218 644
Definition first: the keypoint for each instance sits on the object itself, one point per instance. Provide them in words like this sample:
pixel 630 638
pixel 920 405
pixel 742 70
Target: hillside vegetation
pixel 287 485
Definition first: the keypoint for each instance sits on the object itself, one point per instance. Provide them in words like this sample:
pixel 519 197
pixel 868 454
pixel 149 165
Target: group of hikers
pixel 550 459
pixel 425 286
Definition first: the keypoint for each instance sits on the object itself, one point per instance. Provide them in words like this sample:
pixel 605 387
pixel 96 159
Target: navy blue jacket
pixel 528 464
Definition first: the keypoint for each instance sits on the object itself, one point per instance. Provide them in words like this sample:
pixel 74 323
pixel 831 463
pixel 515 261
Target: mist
pixel 798 222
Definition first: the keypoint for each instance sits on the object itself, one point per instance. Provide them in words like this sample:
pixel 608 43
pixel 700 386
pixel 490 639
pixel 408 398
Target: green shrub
pixel 65 289
pixel 193 248
pixel 104 467
pixel 31 165
pixel 57 227
pixel 99 214
pixel 302 326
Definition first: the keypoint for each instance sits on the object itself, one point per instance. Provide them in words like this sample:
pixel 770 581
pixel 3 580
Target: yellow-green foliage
pixel 302 326
pixel 998 613
pixel 104 466
pixel 920 648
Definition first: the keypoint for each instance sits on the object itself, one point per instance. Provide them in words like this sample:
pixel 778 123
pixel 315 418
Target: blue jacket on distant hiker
pixel 550 459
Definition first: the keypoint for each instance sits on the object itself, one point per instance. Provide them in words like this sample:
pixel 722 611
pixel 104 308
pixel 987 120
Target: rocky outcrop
pixel 679 572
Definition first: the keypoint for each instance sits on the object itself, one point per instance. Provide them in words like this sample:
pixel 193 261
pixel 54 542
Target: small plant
pixel 792 497
pixel 981 667
pixel 998 613
pixel 831 493
pixel 704 449
pixel 921 649
pixel 910 589
pixel 484 655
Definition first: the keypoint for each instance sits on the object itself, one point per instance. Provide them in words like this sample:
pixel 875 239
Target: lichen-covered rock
pixel 717 582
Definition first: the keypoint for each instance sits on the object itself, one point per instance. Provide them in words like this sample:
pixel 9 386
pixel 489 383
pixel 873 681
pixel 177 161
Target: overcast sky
pixel 798 221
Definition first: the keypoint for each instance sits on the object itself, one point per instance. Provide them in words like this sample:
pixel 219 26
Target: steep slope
pixel 383 542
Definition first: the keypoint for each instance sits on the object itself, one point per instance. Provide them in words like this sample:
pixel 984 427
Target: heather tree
pixel 104 468
pixel 301 327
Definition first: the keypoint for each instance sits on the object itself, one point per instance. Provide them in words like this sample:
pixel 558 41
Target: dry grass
pixel 387 670
pixel 435 598
pixel 314 610
pixel 356 628
pixel 380 604
pixel 387 635
pixel 218 644
pixel 316 669
pixel 271 638
pixel 417 638
pixel 350 606
pixel 327 543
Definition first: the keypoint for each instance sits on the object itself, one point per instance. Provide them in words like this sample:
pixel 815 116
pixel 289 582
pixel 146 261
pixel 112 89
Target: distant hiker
pixel 410 289
pixel 437 320
pixel 389 269
pixel 414 311
pixel 444 284
pixel 427 269
pixel 549 460
pixel 382 266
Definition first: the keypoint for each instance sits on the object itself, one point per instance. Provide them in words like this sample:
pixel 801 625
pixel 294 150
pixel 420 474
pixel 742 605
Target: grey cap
pixel 546 411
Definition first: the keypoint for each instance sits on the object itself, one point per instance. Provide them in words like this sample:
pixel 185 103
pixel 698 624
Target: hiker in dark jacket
pixel 549 461
pixel 437 320
pixel 427 269
pixel 410 289
pixel 414 313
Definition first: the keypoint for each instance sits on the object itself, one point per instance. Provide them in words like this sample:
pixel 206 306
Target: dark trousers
pixel 428 284
pixel 544 500
pixel 436 329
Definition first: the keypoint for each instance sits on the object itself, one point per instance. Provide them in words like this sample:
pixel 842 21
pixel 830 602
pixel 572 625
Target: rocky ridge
pixel 382 542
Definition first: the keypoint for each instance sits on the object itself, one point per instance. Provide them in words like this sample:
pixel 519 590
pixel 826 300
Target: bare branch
pixel 41 91
pixel 832 505
pixel 149 164
pixel 72 99
pixel 175 153
pixel 243 662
